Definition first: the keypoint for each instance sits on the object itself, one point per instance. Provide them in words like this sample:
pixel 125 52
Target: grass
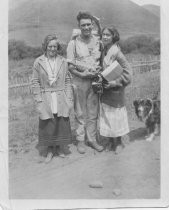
pixel 20 69
pixel 23 68
pixel 141 57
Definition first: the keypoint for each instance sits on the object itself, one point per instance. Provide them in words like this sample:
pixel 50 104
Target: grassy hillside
pixel 32 20
pixel 153 9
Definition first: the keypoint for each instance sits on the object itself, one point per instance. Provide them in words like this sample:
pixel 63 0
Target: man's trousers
pixel 86 109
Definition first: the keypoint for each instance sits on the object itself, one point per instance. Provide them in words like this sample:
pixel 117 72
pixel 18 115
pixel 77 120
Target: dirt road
pixel 134 173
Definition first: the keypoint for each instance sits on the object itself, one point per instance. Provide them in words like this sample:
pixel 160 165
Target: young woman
pixel 113 114
pixel 52 93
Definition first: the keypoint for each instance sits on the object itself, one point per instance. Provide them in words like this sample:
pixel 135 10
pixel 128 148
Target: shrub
pixel 141 44
pixel 156 47
pixel 18 50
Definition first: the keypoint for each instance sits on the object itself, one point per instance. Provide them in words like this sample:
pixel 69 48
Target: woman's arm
pixel 68 87
pixel 125 77
pixel 35 83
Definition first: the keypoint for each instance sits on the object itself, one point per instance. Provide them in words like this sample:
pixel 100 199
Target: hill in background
pixel 153 9
pixel 32 20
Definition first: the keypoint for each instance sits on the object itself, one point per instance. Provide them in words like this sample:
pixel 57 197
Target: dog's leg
pixel 157 129
pixel 151 137
pixel 151 130
pixel 148 133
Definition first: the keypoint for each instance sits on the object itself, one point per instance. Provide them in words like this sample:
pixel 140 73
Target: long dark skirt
pixel 54 132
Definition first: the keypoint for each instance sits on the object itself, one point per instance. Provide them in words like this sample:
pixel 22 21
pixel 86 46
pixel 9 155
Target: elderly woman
pixel 52 93
pixel 113 116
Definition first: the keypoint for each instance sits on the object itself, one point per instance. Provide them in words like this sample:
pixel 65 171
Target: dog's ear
pixel 136 103
pixel 156 104
pixel 148 102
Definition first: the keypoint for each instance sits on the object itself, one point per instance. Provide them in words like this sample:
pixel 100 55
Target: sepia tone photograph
pixel 84 99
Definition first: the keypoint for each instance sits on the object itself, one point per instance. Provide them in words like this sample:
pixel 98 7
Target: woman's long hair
pixel 114 32
pixel 115 39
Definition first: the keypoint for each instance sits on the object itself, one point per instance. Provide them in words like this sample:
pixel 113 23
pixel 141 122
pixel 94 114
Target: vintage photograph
pixel 84 99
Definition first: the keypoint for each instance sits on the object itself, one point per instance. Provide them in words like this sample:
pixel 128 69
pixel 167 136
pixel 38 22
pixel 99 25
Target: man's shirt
pixel 87 53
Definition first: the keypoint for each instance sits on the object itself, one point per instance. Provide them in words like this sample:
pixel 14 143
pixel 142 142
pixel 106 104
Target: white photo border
pixel 5 203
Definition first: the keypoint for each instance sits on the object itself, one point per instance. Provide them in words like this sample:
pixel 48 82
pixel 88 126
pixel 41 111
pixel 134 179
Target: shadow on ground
pixel 137 134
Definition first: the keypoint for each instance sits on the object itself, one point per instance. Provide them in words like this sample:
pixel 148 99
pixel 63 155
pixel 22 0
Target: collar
pixel 42 62
pixel 111 53
pixel 79 38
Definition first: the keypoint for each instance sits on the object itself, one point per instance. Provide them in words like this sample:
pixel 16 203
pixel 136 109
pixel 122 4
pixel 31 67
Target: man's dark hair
pixel 84 15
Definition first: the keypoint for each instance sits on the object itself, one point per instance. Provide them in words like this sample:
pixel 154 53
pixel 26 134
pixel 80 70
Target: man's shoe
pixel 95 146
pixel 81 147
pixel 49 157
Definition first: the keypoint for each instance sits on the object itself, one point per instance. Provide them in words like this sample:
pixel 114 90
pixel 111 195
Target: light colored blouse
pixel 52 74
pixel 111 56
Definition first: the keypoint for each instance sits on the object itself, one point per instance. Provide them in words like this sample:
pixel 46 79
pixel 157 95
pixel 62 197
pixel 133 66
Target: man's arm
pixel 74 71
pixel 84 74
pixel 81 66
pixel 71 56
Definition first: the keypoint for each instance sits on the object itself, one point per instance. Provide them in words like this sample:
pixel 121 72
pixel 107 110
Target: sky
pixel 14 3
pixel 142 2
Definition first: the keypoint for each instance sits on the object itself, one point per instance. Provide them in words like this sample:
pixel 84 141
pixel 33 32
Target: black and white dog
pixel 148 111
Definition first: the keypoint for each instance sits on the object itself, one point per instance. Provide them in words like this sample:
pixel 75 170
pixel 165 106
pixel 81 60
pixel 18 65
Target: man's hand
pixel 88 74
pixel 96 19
pixel 96 69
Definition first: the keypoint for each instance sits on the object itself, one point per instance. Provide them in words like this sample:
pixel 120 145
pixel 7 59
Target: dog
pixel 148 111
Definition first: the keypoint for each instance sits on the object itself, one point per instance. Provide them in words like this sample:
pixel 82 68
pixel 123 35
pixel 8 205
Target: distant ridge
pixel 154 9
pixel 31 20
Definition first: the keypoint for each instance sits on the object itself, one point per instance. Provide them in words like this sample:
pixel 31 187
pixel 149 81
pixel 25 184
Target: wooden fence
pixel 22 86
pixel 147 73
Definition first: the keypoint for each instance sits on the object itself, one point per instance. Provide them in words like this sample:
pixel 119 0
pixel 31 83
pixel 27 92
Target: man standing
pixel 86 49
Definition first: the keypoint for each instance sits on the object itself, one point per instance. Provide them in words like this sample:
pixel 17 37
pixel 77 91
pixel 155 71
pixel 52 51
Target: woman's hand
pixel 110 85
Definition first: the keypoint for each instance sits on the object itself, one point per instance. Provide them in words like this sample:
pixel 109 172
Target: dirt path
pixel 135 172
